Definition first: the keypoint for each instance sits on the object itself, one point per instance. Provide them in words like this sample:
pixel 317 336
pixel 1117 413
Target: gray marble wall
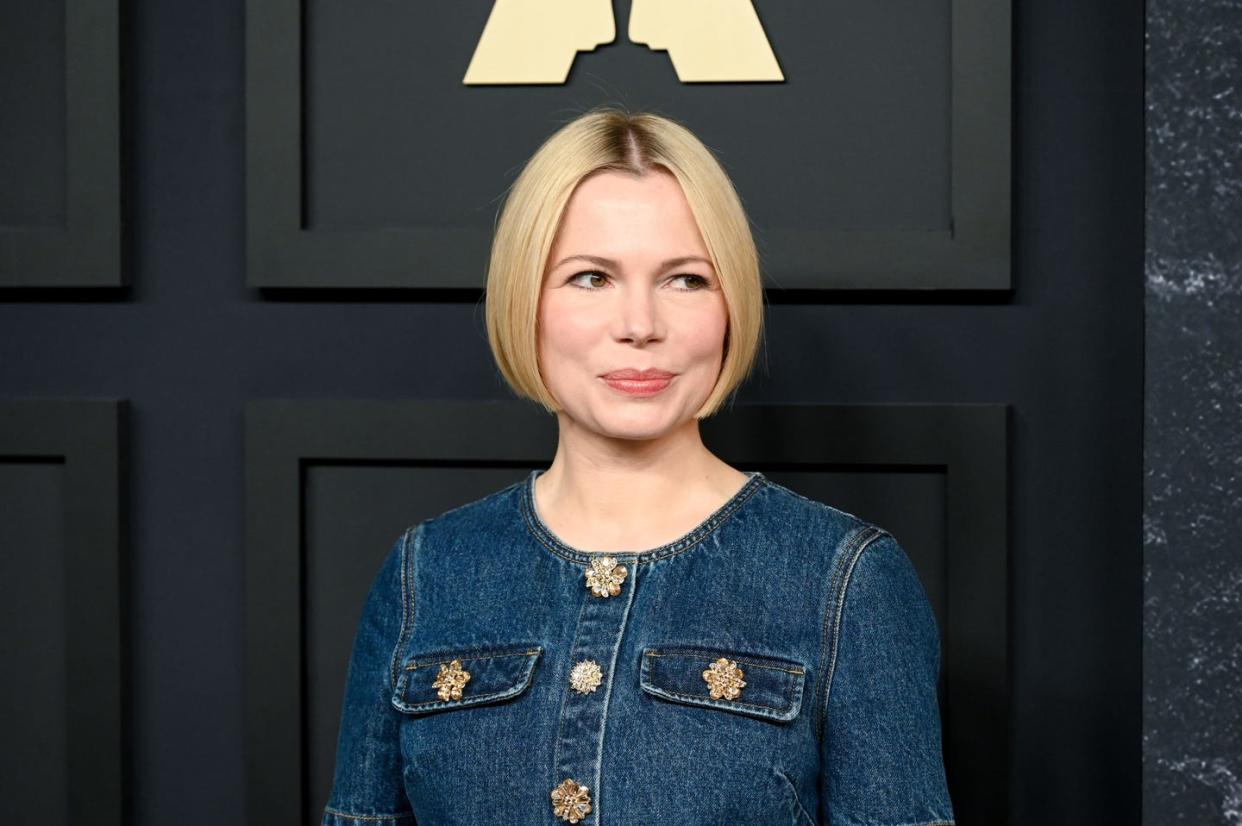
pixel 1192 656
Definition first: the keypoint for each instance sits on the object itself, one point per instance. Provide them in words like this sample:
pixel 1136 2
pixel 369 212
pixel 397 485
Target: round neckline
pixel 553 543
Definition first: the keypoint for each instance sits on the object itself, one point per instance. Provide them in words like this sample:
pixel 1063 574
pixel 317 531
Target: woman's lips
pixel 638 387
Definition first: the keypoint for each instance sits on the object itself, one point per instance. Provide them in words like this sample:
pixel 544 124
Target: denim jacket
pixel 776 665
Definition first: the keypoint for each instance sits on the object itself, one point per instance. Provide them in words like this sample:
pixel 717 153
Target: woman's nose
pixel 639 316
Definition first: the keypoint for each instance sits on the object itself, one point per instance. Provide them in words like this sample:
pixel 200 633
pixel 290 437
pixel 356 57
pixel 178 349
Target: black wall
pixel 189 344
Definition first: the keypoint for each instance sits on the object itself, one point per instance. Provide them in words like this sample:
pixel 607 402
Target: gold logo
pixel 537 41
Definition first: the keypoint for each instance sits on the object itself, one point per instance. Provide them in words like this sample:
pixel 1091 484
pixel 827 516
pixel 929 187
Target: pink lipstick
pixel 638 382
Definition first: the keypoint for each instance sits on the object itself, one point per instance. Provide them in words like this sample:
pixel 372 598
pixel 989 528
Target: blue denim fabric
pixel 822 612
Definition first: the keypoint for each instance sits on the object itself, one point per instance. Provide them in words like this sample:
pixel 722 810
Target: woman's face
pixel 629 285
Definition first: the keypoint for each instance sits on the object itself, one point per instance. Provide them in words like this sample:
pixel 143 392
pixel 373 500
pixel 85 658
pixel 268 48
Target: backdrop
pixel 257 318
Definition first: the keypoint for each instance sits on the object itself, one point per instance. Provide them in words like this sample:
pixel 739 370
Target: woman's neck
pixel 628 495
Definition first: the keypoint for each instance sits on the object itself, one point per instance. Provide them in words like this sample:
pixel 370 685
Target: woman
pixel 764 658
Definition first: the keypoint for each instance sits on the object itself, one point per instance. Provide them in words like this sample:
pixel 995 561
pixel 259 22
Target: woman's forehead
pixel 615 214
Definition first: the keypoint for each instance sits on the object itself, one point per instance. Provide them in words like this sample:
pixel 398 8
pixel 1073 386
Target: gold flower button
pixel 604 577
pixel 586 676
pixel 724 679
pixel 450 681
pixel 570 801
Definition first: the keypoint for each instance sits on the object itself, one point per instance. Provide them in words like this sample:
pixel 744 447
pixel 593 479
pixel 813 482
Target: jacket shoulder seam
pixel 410 541
pixel 838 583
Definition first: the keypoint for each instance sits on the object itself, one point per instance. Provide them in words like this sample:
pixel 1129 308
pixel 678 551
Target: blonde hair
pixel 608 138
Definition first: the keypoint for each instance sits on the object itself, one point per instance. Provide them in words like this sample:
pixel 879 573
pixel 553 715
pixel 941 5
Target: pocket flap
pixel 443 680
pixel 772 689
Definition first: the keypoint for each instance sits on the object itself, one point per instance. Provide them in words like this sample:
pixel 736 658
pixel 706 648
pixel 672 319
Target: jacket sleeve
pixel 881 759
pixel 367 787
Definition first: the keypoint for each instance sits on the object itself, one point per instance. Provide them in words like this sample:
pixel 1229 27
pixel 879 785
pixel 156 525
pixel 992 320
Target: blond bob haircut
pixel 608 138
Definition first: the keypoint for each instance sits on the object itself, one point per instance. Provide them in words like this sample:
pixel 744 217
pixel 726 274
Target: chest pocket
pixel 445 680
pixel 769 688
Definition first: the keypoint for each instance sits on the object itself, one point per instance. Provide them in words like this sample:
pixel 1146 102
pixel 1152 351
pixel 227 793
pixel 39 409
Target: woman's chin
pixel 639 425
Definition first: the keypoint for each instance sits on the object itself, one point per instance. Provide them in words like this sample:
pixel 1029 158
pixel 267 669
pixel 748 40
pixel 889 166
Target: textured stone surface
pixel 1192 737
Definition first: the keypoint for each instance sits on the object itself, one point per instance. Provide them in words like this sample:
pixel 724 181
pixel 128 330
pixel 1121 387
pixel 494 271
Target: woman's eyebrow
pixel 608 262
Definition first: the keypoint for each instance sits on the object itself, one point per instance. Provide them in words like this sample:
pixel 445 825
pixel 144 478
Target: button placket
pixel 601 625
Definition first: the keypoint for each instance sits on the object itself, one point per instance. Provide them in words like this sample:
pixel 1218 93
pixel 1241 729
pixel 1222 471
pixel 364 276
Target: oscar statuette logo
pixel 537 41
pixel 707 40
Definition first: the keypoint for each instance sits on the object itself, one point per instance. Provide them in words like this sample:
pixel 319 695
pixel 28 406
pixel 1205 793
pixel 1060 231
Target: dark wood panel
pixel 83 246
pixel 82 442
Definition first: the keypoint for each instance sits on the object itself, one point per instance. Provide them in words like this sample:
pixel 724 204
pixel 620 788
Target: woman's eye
pixel 573 280
pixel 692 282
pixel 697 282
